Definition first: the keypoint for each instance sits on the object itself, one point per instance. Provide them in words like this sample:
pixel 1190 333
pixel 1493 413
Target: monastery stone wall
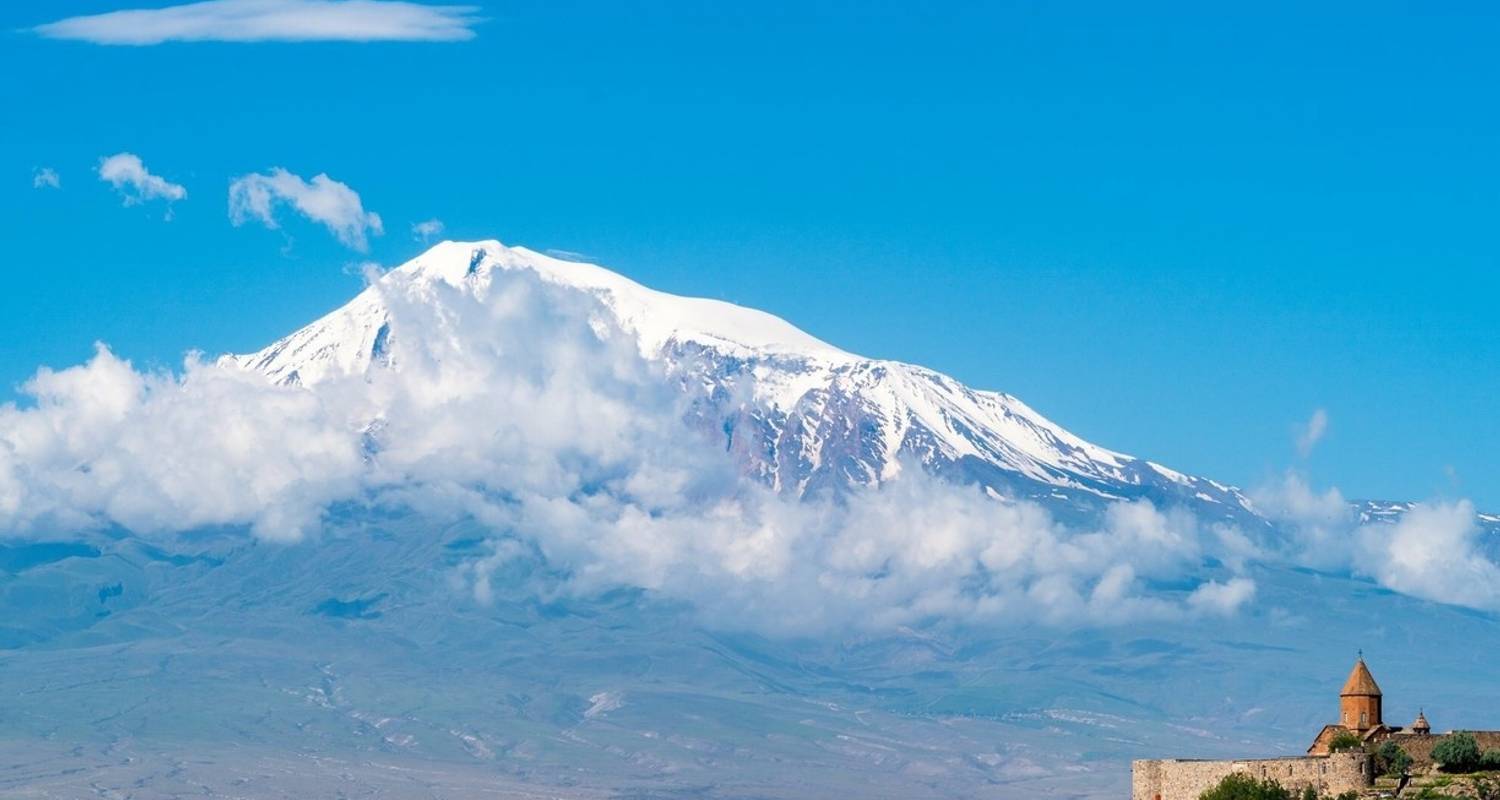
pixel 1185 780
pixel 1420 747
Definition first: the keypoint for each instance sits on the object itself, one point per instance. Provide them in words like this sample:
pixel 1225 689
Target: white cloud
pixel 513 404
pixel 271 21
pixel 128 174
pixel 1316 525
pixel 45 178
pixel 322 200
pixel 1222 599
pixel 159 452
pixel 425 230
pixel 1310 434
pixel 518 408
pixel 1432 552
pixel 569 255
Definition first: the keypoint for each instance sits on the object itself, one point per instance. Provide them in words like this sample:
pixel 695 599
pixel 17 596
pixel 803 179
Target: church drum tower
pixel 1359 702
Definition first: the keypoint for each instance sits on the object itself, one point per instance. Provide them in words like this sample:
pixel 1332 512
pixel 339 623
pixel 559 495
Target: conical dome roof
pixel 1361 683
pixel 1421 724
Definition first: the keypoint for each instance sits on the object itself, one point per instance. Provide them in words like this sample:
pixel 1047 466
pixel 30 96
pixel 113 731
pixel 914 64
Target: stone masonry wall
pixel 1420 747
pixel 1185 780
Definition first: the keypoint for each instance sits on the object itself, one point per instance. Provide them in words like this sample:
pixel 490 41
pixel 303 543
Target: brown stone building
pixel 1327 772
pixel 1359 712
pixel 1360 715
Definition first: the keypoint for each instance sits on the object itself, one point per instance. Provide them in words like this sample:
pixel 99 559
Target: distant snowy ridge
pixel 798 414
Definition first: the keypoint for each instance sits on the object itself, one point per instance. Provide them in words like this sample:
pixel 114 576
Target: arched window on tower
pixel 1363 721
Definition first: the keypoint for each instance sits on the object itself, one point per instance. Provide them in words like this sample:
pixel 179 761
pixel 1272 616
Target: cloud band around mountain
pixel 497 397
pixel 518 409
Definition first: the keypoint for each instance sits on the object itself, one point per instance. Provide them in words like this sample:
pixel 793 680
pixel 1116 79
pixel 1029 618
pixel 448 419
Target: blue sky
pixel 1177 230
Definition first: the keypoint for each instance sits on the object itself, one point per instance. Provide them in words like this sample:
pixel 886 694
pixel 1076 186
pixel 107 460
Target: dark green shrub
pixel 1345 740
pixel 1392 760
pixel 1490 760
pixel 1457 752
pixel 1239 786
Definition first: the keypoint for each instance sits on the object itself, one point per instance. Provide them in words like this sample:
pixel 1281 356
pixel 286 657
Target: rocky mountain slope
pixel 798 414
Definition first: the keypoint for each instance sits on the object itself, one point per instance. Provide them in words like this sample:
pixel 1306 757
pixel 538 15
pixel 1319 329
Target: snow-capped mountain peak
pixel 798 413
pixel 345 341
pixel 657 318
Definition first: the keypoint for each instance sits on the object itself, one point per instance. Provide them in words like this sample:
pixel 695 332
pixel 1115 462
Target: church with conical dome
pixel 1340 759
pixel 1359 711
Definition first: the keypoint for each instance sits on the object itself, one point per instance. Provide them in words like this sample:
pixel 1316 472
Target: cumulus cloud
pixel 912 552
pixel 45 178
pixel 1430 550
pixel 1309 434
pixel 1433 552
pixel 271 21
pixel 160 452
pixel 1315 525
pixel 129 176
pixel 424 231
pixel 323 200
pixel 513 404
pixel 1222 598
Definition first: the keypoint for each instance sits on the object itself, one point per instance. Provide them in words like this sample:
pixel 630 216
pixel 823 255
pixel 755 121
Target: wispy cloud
pixel 569 255
pixel 128 174
pixel 45 178
pixel 1309 434
pixel 424 231
pixel 271 21
pixel 323 200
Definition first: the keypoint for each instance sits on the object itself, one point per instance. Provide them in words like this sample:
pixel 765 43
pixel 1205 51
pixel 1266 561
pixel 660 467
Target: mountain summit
pixel 797 413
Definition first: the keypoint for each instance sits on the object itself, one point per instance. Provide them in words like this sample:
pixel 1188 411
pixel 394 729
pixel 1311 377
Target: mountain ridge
pixel 818 419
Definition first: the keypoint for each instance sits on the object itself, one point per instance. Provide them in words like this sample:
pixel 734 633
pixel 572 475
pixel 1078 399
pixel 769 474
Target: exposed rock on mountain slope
pixel 798 414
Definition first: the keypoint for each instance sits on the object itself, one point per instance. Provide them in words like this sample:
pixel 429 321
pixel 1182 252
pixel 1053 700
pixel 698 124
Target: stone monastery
pixel 1327 772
